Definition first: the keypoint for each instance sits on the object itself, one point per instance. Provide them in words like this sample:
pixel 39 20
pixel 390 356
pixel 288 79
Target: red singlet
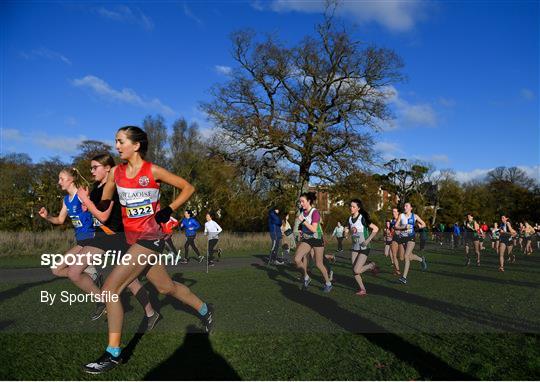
pixel 139 198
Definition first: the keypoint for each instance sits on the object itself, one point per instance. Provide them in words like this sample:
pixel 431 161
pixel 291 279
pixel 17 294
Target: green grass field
pixel 451 322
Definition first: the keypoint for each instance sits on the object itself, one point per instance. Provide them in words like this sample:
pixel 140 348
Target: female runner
pixel 405 224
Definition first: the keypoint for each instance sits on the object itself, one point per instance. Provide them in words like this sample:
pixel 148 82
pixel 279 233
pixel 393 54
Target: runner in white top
pixel 212 229
pixel 360 225
pixel 405 224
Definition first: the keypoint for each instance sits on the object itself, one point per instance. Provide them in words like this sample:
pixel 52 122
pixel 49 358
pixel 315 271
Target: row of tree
pixel 241 188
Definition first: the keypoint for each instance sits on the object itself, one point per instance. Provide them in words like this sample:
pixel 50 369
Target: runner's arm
pixel 57 220
pixel 374 230
pixel 164 176
pixel 421 223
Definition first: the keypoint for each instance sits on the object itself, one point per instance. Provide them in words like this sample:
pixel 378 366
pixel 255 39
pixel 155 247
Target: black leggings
pixel 211 245
pixel 339 243
pixel 170 246
pixel 190 241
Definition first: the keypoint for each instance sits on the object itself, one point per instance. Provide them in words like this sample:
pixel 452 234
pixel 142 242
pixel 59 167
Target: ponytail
pixel 78 179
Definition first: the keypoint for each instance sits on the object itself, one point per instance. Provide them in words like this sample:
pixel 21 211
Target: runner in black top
pixel 110 234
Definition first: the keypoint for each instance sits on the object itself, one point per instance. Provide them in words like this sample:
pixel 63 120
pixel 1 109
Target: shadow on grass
pixel 194 360
pixel 426 364
pixel 5 324
pixel 14 292
pixel 482 317
pixel 168 300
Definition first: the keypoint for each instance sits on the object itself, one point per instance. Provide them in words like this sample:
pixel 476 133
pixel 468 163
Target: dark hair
pixel 209 214
pixel 105 159
pixel 190 213
pixel 362 211
pixel 137 135
pixel 310 196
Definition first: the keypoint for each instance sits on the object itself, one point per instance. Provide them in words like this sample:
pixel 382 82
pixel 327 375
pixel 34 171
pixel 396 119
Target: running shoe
pixel 477 263
pixel 98 311
pixel 403 280
pixel 501 269
pixel 184 261
pixel 152 321
pixel 219 253
pixel 327 288
pixel 424 263
pixel 361 293
pixel 103 364
pixel 200 259
pixel 375 270
pixel 467 262
pixel 331 275
pixel 208 319
pixel 278 262
pixel 306 282
pixel 211 263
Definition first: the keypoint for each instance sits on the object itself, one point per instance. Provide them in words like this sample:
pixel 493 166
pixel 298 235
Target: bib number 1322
pixel 140 209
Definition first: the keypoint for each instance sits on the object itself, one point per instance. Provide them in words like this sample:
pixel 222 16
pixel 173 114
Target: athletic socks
pixel 115 352
pixel 328 283
pixel 306 277
pixel 143 297
pixel 203 310
pixel 91 271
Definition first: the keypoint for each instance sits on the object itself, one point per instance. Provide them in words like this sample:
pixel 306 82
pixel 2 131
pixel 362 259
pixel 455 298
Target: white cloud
pixel 45 53
pixel 123 13
pixel 191 15
pixel 395 15
pixel 407 113
pixel 480 174
pixel 389 150
pixel 438 158
pixel 58 143
pixel 11 135
pixel 125 95
pixel 221 69
pixel 527 94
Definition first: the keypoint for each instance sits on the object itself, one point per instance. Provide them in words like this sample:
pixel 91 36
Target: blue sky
pixel 79 71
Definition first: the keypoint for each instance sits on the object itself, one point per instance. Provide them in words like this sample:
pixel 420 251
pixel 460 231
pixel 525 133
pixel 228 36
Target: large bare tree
pixel 312 106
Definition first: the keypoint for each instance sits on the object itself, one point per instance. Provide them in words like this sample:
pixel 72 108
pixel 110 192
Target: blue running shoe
pixel 327 288
pixel 403 280
pixel 424 263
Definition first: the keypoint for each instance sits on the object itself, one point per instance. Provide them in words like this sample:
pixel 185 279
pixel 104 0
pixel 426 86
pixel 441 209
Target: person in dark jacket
pixel 274 227
pixel 190 225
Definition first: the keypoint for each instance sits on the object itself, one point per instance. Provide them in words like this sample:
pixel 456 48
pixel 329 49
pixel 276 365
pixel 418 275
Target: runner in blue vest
pixel 80 273
pixel 190 225
pixel 405 226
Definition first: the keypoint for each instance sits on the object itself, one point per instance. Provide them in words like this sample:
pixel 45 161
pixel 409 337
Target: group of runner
pixel 122 214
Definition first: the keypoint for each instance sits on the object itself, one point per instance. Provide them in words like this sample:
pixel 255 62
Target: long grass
pixel 36 243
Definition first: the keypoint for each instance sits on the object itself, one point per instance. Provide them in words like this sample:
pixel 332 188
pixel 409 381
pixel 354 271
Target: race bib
pixel 139 209
pixel 76 221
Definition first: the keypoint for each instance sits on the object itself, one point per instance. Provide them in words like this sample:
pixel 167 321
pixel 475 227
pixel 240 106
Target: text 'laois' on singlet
pixel 139 198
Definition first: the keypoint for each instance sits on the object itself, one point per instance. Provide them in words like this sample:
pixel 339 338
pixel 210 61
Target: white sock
pixel 91 270
pixel 306 277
